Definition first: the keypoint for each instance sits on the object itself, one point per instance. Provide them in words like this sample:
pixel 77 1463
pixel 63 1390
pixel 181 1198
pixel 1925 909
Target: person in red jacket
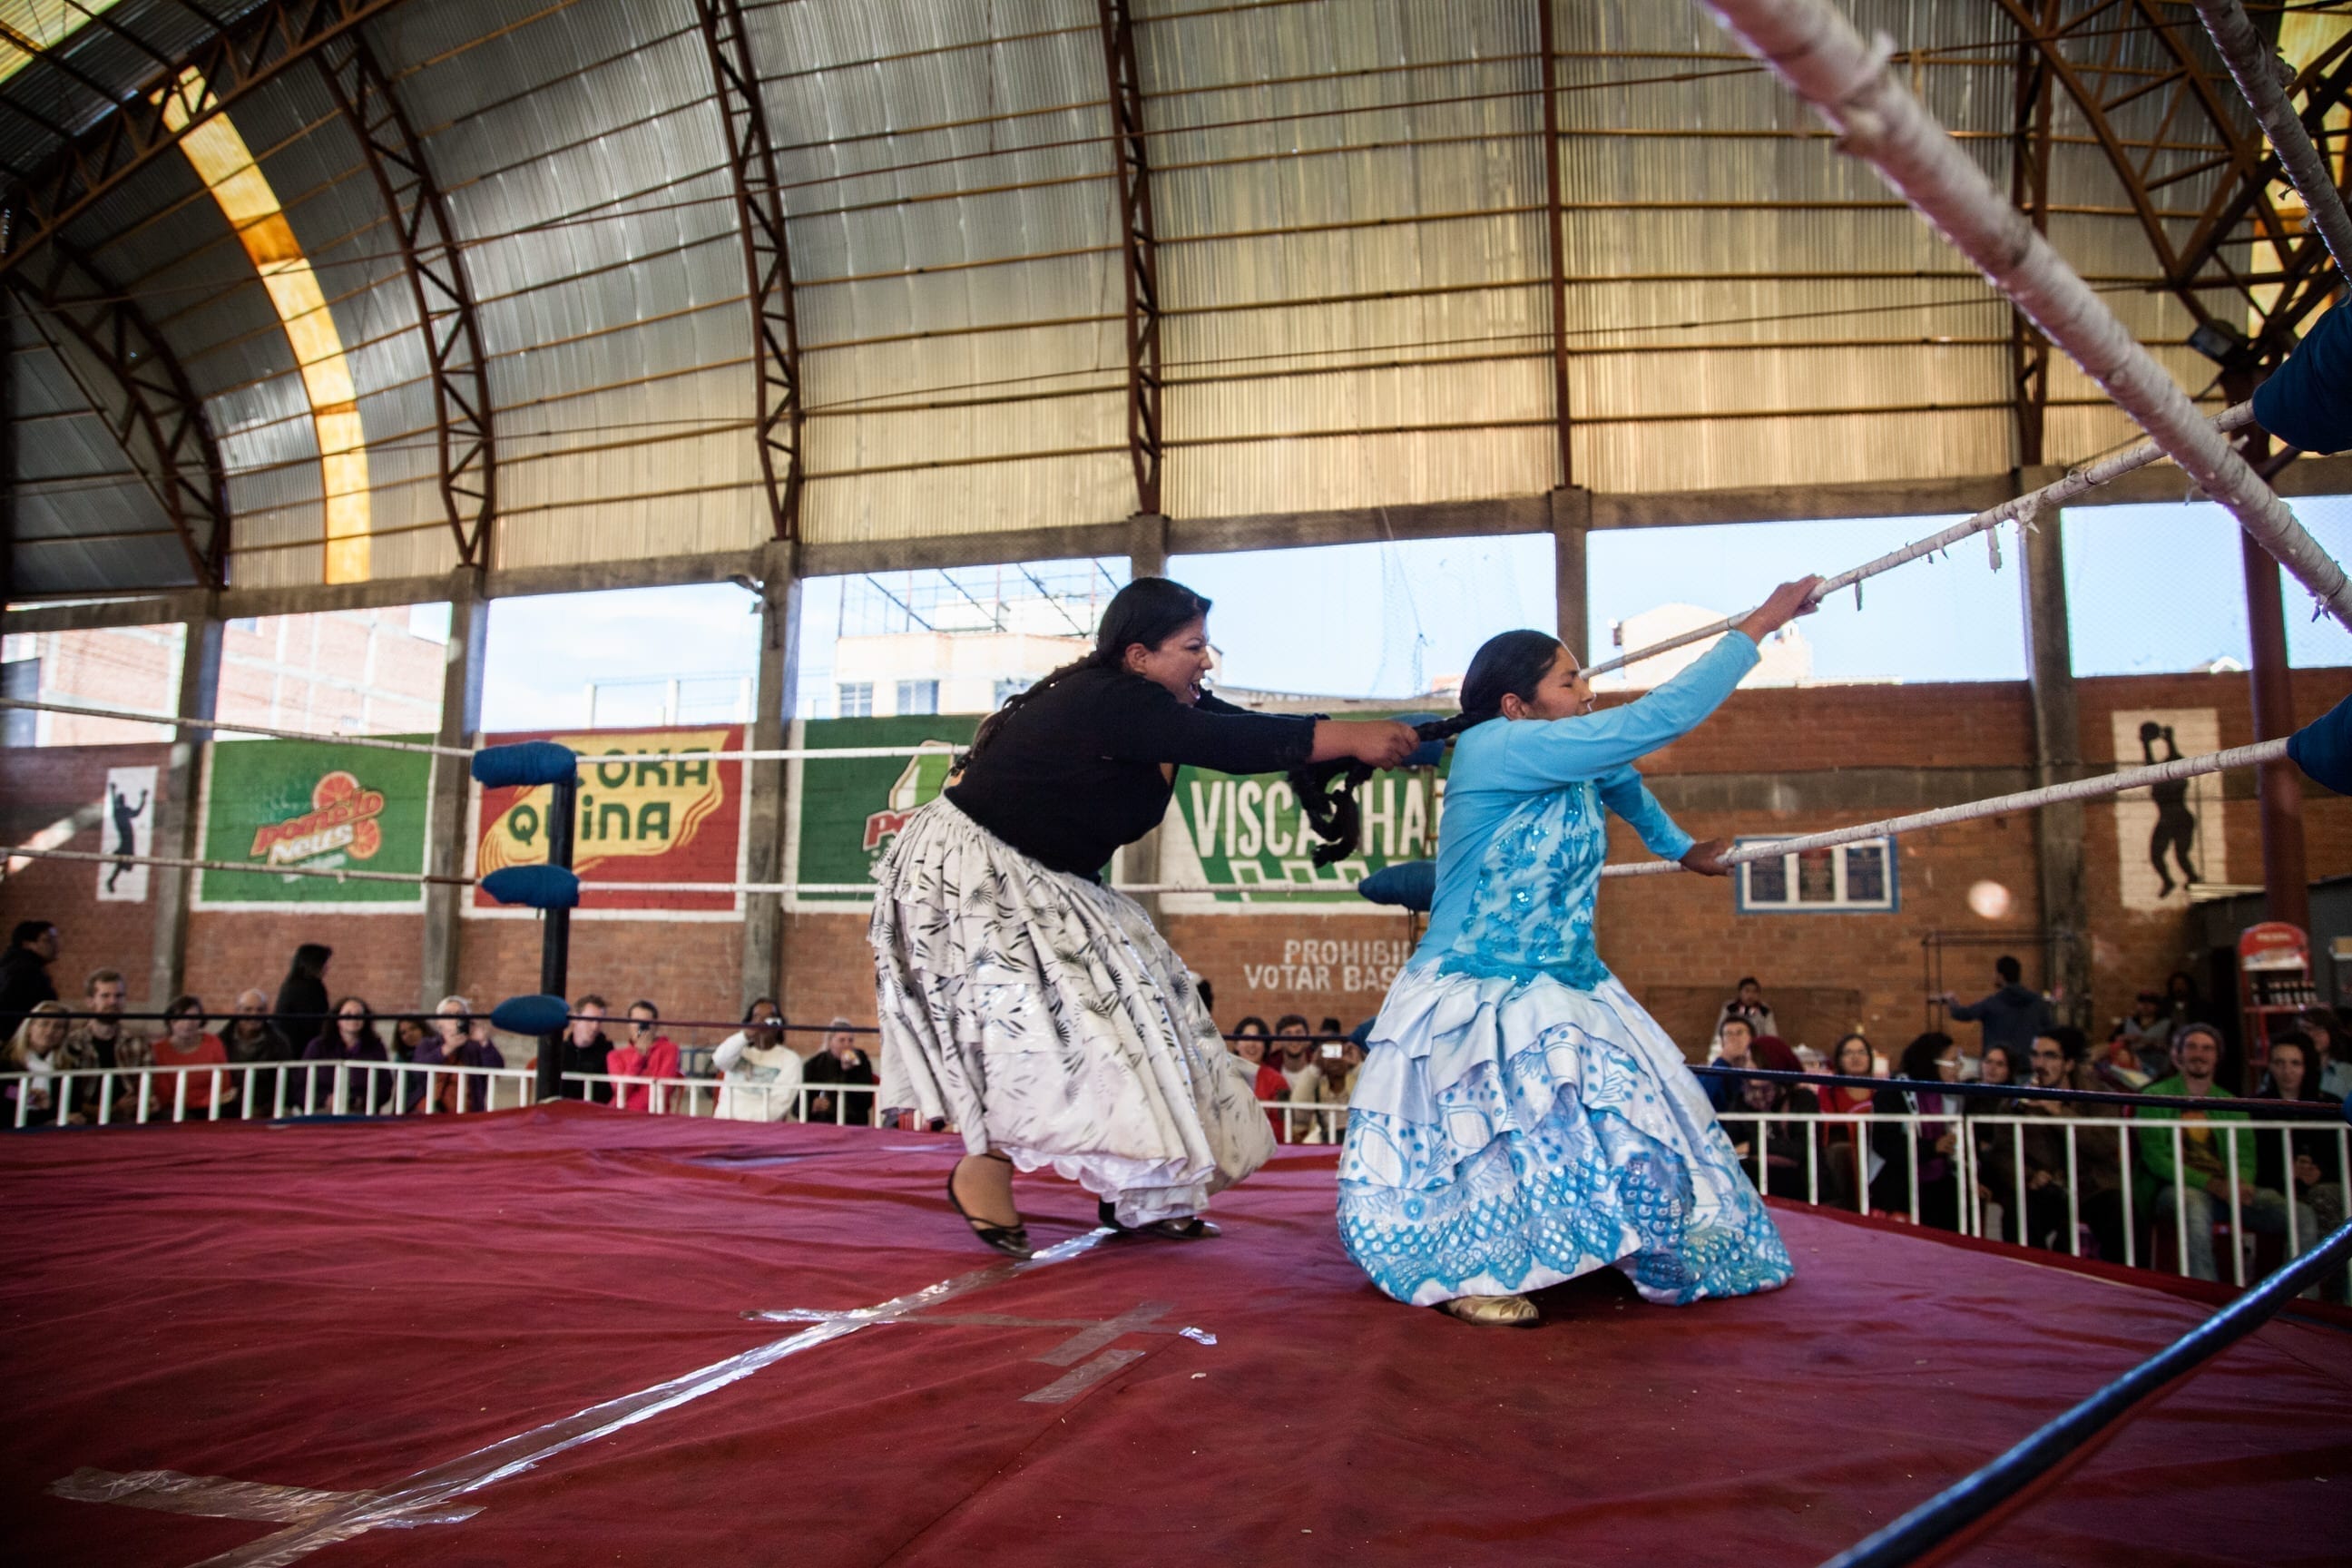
pixel 647 1053
pixel 1249 1044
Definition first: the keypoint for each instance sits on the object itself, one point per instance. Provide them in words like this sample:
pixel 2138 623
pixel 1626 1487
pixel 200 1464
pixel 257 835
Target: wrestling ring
pixel 470 1340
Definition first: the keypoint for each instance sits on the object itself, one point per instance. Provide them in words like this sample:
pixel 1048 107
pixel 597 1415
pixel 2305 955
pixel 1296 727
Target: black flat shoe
pixel 1190 1228
pixel 1012 1240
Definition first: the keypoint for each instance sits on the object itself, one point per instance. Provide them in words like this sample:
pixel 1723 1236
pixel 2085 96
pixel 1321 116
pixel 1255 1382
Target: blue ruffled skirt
pixel 1511 1132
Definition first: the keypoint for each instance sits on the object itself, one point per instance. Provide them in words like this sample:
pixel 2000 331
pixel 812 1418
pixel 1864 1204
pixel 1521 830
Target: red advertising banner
pixel 639 821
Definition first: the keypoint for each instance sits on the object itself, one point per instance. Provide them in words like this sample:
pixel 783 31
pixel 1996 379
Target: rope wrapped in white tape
pixel 2254 67
pixel 1818 53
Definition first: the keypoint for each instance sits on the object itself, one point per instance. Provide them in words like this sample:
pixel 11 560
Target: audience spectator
pixel 2096 1170
pixel 2331 1049
pixel 646 1053
pixel 410 1035
pixel 1785 1144
pixel 2149 1033
pixel 1846 1148
pixel 1932 1058
pixel 586 1050
pixel 840 1063
pixel 2191 1175
pixel 25 972
pixel 106 1041
pixel 1300 1076
pixel 762 1072
pixel 1735 1041
pixel 302 995
pixel 1335 1080
pixel 2183 1000
pixel 1330 1027
pixel 1748 1002
pixel 1994 1149
pixel 186 1043
pixel 252 1036
pixel 2010 1016
pixel 38 1047
pixel 2308 1165
pixel 351 1037
pixel 458 1039
pixel 1249 1043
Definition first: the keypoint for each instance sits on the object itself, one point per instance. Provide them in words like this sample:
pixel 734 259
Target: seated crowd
pixel 1889 1139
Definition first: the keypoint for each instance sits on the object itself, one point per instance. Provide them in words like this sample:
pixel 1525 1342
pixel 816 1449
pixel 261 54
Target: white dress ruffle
pixel 1513 1132
pixel 1042 1015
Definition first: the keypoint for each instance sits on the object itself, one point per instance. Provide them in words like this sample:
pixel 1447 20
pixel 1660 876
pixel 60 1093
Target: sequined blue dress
pixel 1519 1119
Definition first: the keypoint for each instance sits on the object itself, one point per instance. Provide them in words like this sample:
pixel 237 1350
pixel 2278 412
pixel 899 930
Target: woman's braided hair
pixel 1148 610
pixel 1510 663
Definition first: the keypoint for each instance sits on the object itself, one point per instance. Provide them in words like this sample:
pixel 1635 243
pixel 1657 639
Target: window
pixel 856 699
pixel 1009 687
pixel 918 697
pixel 1849 877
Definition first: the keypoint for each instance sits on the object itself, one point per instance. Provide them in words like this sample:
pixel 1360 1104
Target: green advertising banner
pixel 1224 833
pixel 848 812
pixel 314 805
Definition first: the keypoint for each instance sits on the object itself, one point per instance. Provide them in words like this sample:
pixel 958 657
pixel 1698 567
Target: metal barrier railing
pixel 1987 1188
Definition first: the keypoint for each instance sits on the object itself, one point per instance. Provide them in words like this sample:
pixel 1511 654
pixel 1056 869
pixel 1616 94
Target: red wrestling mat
pixel 315 1314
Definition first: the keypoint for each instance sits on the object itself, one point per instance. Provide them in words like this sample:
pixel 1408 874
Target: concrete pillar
pixel 178 818
pixel 1147 556
pixel 2058 830
pixel 1571 522
pixel 447 821
pixel 767 805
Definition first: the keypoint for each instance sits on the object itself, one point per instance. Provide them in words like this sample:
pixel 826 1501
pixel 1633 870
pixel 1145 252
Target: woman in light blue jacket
pixel 1519 1119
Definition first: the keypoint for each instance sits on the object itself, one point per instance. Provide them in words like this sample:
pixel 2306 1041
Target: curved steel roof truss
pixel 144 397
pixel 429 250
pixel 1138 248
pixel 767 258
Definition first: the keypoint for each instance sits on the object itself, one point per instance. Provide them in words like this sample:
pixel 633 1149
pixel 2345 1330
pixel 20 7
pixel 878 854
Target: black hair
pixel 2075 1044
pixel 1287 1020
pixel 1867 1050
pixel 2008 969
pixel 2311 1062
pixel 1148 610
pixel 1252 1020
pixel 30 931
pixel 310 959
pixel 1508 664
pixel 1331 1027
pixel 2021 1063
pixel 1918 1063
pixel 648 1006
pixel 758 1001
pixel 1747 980
pixel 182 1006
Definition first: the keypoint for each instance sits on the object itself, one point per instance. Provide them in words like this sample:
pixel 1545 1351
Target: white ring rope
pixel 1816 50
pixel 1996 806
pixel 2022 510
pixel 2254 65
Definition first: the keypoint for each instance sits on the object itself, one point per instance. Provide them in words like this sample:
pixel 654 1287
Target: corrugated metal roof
pixel 1349 196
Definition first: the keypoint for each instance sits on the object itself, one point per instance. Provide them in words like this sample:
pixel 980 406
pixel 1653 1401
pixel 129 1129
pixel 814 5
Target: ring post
pixel 555 934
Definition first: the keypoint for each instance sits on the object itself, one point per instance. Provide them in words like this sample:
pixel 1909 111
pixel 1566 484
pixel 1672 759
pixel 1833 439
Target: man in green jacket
pixel 2195 1182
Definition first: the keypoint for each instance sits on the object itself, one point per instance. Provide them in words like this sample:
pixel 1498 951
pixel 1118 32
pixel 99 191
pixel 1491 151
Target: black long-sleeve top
pixel 1075 771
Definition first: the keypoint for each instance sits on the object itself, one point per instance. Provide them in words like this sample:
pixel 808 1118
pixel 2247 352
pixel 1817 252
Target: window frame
pixel 841 691
pixel 1843 904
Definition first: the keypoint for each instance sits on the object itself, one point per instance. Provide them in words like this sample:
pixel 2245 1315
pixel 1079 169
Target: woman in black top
pixel 1035 1009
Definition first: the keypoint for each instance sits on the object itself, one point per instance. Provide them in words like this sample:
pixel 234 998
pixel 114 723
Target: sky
pixel 2151 589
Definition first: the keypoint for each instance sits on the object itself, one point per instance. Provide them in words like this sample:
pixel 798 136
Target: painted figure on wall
pixel 126 838
pixel 2175 834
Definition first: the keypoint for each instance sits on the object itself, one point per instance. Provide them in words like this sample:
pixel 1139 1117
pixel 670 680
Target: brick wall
pixel 1676 941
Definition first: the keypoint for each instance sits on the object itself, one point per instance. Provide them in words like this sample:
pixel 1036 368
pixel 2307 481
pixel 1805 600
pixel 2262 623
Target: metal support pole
pixel 1572 526
pixel 1547 75
pixel 555 932
pixel 2058 828
pixel 179 828
pixel 2286 882
pixel 1138 248
pixel 767 785
pixel 447 824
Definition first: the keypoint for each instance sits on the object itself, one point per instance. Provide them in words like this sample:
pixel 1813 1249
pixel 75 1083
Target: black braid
pixel 1327 791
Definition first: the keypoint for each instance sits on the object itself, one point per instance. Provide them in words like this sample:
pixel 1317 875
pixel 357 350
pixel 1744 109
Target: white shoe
pixel 1504 1311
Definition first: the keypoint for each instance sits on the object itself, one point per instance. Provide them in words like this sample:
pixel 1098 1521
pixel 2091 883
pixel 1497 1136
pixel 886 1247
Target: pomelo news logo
pixel 342 817
pixel 917 785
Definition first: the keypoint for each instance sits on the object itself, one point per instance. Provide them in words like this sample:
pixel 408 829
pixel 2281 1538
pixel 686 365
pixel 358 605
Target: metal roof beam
pixel 1139 250
pixel 233 62
pixel 1555 241
pixel 154 412
pixel 767 258
pixel 429 250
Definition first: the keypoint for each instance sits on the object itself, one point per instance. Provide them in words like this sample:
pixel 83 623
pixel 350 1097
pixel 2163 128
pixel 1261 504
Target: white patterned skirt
pixel 1513 1132
pixel 1042 1015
